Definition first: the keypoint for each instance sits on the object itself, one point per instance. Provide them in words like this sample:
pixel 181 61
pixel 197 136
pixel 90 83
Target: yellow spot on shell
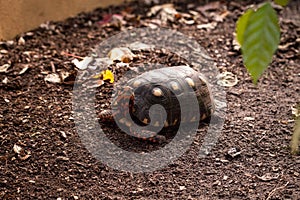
pixel 175 121
pixel 193 119
pixel 156 124
pixel 128 123
pixel 157 92
pixel 202 78
pixel 166 124
pixel 204 116
pixel 136 83
pixel 190 82
pixel 115 103
pixel 145 121
pixel 174 86
pixel 122 121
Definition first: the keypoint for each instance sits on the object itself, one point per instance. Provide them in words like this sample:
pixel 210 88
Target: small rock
pixel 182 187
pixel 17 149
pixel 249 118
pixel 234 152
pixel 5 80
pixel 21 41
pixel 63 134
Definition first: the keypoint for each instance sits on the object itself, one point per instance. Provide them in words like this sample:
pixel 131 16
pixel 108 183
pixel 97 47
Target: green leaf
pixel 241 25
pixel 281 2
pixel 261 39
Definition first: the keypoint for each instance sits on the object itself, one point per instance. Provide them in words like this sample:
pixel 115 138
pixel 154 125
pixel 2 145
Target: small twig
pixel 52 67
pixel 275 189
pixel 261 138
pixel 71 55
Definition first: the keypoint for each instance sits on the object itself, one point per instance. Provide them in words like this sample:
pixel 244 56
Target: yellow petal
pixel 108 75
pixel 105 75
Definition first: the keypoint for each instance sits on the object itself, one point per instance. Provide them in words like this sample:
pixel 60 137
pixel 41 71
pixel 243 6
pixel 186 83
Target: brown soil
pixel 36 116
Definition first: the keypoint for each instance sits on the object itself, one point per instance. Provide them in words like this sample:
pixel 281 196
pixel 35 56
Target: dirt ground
pixel 43 157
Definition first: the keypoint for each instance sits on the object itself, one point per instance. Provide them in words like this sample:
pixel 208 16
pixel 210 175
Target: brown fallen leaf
pixel 25 157
pixel 25 68
pixel 212 25
pixel 4 68
pixel 222 16
pixel 268 177
pixel 210 6
pixel 122 54
pixel 17 149
pixel 52 78
pixel 165 12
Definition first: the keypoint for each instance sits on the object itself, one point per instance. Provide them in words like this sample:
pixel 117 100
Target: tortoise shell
pixel 170 87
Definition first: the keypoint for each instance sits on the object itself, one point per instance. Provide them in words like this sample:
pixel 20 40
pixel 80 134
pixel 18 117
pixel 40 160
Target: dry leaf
pixel 53 78
pixel 296 111
pixel 227 79
pixel 221 17
pixel 268 177
pixel 4 68
pixel 82 65
pixel 3 51
pixel 25 68
pixel 25 157
pixel 139 46
pixel 210 6
pixel 114 20
pixel 165 12
pixel 155 9
pixel 64 75
pixel 234 152
pixel 17 149
pixel 122 54
pixel 63 158
pixel 207 26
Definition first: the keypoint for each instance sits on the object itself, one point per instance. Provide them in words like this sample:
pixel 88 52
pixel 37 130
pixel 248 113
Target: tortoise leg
pixel 106 116
pixel 147 135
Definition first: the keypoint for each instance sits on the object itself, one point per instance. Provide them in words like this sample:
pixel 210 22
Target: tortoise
pixel 164 86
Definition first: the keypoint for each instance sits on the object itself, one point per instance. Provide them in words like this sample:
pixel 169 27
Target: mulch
pixel 43 157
